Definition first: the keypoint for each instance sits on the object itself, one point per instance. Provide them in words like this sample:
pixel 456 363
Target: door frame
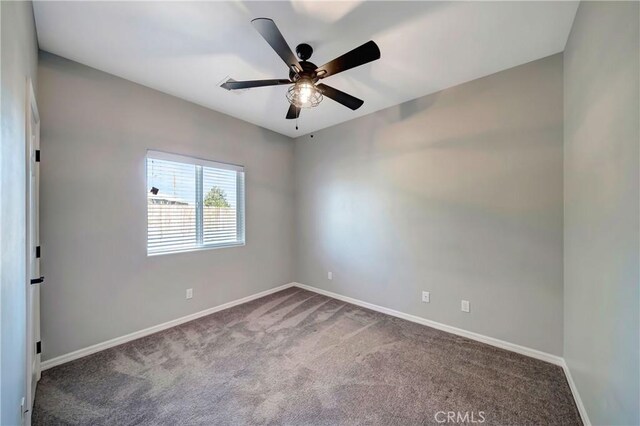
pixel 32 291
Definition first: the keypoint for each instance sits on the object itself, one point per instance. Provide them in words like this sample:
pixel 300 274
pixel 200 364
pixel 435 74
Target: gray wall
pixel 458 193
pixel 96 129
pixel 19 61
pixel 602 319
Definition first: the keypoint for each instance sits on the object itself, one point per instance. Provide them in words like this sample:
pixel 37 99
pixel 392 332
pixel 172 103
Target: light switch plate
pixel 426 298
pixel 189 293
pixel 465 306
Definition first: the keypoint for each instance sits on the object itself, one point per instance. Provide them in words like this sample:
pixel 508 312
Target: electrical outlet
pixel 464 306
pixel 189 293
pixel 425 297
pixel 23 408
pixel 330 275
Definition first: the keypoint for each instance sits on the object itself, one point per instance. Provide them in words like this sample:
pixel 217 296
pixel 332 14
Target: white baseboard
pixel 523 350
pixel 576 394
pixel 151 330
pixel 533 353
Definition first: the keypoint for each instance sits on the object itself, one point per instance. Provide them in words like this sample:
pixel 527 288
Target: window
pixel 193 204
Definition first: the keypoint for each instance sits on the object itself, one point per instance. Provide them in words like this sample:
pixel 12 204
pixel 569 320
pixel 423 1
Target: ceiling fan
pixel 305 91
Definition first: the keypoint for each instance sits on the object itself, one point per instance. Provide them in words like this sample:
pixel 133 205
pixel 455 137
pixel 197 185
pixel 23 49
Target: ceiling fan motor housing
pixel 308 71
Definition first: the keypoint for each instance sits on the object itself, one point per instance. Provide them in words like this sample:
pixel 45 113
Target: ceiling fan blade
pixel 359 56
pixel 293 113
pixel 270 32
pixel 340 97
pixel 234 85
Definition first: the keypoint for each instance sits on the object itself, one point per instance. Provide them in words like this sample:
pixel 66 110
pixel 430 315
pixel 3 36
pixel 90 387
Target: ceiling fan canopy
pixel 305 91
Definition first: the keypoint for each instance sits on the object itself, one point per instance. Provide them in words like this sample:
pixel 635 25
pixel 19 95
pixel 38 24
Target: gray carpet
pixel 297 358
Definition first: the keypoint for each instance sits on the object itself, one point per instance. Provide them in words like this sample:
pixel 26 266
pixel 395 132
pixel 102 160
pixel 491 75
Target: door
pixel 34 278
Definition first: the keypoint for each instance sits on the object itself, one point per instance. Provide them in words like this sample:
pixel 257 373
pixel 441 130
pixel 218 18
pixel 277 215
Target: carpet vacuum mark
pixel 300 358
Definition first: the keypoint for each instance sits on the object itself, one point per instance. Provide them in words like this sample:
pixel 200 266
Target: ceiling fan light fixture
pixel 304 94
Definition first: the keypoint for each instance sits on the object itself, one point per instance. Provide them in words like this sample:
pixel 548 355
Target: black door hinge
pixel 38 347
pixel 37 155
pixel 37 252
pixel 37 280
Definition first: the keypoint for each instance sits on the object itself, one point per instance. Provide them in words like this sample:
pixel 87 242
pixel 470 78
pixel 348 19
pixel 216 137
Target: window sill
pixel 196 249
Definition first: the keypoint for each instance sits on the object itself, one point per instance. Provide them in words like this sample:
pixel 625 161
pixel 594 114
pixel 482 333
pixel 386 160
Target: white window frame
pixel 240 194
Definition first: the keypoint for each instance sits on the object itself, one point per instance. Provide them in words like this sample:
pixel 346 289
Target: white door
pixel 34 278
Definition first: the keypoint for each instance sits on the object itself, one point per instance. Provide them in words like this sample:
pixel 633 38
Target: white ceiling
pixel 188 48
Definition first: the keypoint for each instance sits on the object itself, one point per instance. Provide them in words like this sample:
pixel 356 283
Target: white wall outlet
pixel 464 306
pixel 425 297
pixel 189 293
pixel 23 408
pixel 330 275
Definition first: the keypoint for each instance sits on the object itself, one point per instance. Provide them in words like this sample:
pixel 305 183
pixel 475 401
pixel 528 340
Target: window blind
pixel 193 203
